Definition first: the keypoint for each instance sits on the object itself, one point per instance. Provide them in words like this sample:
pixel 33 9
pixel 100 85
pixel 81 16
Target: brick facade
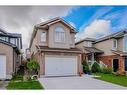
pixel 108 61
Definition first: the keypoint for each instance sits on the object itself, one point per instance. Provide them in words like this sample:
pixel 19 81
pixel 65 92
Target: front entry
pixel 125 64
pixel 115 64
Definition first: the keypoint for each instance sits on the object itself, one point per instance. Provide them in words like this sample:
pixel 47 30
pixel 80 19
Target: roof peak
pixel 112 35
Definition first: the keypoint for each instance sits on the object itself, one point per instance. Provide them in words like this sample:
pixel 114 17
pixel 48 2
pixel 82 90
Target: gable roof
pixel 121 53
pixel 86 39
pixel 46 24
pixel 93 50
pixel 114 35
pixel 55 20
pixel 4 33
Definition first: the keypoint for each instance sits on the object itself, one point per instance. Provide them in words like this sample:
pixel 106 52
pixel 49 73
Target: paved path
pixel 85 82
pixel 3 85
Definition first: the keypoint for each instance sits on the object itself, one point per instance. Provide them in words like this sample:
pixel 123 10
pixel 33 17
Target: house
pixel 53 45
pixel 10 58
pixel 110 50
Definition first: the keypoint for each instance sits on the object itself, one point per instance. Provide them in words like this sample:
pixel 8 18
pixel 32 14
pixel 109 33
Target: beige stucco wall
pixel 50 38
pixel 120 44
pixel 106 46
pixel 81 46
pixel 34 43
pixel 72 38
pixel 8 52
pixel 52 43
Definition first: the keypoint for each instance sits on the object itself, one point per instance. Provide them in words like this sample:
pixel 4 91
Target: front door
pixel 115 64
pixel 125 64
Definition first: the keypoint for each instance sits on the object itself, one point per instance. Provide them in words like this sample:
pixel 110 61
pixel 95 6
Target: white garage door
pixel 2 66
pixel 60 65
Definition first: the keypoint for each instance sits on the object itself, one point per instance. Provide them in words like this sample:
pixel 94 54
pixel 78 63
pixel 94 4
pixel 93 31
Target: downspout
pixel 92 57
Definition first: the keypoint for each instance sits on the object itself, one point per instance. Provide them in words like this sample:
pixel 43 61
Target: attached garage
pixel 2 67
pixel 58 65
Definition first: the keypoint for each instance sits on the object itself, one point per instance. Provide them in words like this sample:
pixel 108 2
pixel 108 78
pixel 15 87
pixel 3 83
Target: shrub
pixel 86 68
pixel 33 66
pixel 107 70
pixel 120 73
pixel 95 68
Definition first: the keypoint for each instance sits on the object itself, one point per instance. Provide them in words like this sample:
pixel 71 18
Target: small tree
pixel 86 68
pixel 96 68
pixel 33 67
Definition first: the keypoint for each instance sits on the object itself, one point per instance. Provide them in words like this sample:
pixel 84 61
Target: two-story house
pixel 10 58
pixel 53 45
pixel 110 50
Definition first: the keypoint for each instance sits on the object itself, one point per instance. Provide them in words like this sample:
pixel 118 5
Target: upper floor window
pixel 59 34
pixel 3 38
pixel 12 40
pixel 125 42
pixel 88 44
pixel 43 36
pixel 115 44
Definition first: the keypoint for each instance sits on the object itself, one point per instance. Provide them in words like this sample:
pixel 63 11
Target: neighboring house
pixel 10 58
pixel 53 45
pixel 110 50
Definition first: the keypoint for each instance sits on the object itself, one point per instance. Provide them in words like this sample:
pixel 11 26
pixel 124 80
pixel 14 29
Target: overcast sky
pixel 21 19
pixel 90 21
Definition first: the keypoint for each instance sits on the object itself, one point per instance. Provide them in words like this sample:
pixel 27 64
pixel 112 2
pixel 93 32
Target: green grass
pixel 120 80
pixel 18 83
pixel 24 85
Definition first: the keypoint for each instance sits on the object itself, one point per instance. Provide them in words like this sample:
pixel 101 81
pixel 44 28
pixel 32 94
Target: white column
pixel 92 58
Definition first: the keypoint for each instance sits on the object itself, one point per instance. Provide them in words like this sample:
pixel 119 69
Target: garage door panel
pixel 60 65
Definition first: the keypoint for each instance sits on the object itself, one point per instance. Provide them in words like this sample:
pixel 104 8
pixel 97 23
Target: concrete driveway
pixel 85 82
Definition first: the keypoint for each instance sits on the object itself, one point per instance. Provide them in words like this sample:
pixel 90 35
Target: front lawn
pixel 18 83
pixel 120 80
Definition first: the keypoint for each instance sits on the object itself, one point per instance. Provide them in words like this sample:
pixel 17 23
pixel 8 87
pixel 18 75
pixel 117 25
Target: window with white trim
pixel 125 41
pixel 43 36
pixel 115 44
pixel 59 34
pixel 89 44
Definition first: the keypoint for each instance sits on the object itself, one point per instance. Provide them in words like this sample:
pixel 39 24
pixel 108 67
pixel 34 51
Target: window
pixel 89 44
pixel 6 39
pixel 125 44
pixel 12 40
pixel 3 38
pixel 59 34
pixel 115 44
pixel 43 36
